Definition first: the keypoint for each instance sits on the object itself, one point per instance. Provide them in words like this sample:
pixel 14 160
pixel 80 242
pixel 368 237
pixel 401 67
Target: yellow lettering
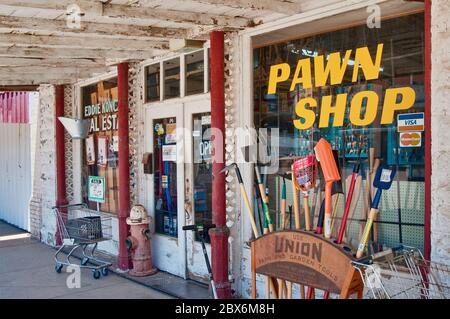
pixel 304 66
pixel 338 110
pixel 307 115
pixel 371 108
pixel 370 69
pixel 276 76
pixel 408 97
pixel 334 70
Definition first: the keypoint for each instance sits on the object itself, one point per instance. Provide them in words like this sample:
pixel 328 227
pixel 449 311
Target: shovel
pixel 331 174
pixel 382 181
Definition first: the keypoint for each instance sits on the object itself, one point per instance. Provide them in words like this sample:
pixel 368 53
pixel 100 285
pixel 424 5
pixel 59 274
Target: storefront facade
pixel 273 81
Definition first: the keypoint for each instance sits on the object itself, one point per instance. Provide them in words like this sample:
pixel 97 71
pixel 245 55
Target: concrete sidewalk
pixel 27 271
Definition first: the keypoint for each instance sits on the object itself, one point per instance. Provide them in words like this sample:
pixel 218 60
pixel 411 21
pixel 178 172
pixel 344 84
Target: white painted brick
pixel 440 123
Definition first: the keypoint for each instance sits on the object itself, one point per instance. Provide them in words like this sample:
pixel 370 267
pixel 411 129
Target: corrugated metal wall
pixel 14 107
pixel 15 173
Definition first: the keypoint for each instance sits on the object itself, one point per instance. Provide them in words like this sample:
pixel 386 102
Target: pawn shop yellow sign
pixel 331 72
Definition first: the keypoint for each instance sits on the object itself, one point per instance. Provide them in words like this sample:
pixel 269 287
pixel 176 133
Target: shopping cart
pixel 403 273
pixel 80 229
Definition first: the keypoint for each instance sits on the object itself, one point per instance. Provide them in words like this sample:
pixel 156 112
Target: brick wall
pixel 42 220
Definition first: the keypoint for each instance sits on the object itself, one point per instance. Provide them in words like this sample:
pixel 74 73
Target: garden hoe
pixel 250 213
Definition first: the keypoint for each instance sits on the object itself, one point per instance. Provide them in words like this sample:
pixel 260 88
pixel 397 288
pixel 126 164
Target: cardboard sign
pixel 102 151
pixel 302 257
pixel 411 139
pixel 96 189
pixel 169 153
pixel 410 122
pixel 90 150
pixel 171 134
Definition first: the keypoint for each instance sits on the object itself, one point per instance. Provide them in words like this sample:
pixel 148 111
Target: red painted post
pixel 60 157
pixel 124 168
pixel 427 89
pixel 219 235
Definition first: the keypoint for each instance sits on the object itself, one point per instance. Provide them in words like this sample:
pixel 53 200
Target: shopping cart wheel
pixel 58 268
pixel 105 271
pixel 84 261
pixel 96 274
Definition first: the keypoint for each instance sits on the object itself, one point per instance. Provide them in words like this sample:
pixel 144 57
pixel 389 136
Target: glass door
pixel 164 132
pixel 198 183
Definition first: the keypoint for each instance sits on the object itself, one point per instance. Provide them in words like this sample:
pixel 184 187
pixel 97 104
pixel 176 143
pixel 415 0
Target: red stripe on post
pixel 219 235
pixel 124 166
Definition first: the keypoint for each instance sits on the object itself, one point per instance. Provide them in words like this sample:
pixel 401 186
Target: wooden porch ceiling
pixel 40 44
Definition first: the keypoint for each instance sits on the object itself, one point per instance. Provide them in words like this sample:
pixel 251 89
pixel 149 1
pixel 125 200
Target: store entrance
pixel 179 186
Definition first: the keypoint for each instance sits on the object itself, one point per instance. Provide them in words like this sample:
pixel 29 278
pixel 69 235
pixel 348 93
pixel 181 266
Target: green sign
pixel 96 189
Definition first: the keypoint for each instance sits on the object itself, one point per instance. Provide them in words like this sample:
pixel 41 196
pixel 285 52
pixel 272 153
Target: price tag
pixel 385 175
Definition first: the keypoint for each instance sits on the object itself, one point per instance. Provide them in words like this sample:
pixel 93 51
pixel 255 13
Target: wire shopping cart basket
pixel 80 229
pixel 403 273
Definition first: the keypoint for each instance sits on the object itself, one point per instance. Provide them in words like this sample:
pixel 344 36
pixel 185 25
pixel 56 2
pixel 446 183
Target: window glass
pixel 165 176
pixel 172 78
pixel 201 136
pixel 355 127
pixel 195 73
pixel 152 82
pixel 100 150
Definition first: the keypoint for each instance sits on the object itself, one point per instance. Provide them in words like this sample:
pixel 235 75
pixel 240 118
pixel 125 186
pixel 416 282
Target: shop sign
pixel 411 139
pixel 103 116
pixel 96 189
pixel 330 70
pixel 410 122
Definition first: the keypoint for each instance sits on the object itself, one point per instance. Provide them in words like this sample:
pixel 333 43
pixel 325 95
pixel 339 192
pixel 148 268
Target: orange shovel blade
pixel 325 156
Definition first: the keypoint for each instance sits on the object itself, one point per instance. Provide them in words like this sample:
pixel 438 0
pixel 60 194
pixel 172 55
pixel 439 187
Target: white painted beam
pixel 85 5
pixel 35 81
pixel 80 42
pixel 35 24
pixel 36 52
pixel 11 71
pixel 279 6
pixel 50 62
pixel 92 9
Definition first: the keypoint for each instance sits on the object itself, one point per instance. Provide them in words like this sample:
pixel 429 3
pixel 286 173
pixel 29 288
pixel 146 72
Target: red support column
pixel 60 157
pixel 219 235
pixel 427 89
pixel 124 169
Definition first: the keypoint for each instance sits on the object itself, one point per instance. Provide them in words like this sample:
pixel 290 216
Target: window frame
pixel 183 68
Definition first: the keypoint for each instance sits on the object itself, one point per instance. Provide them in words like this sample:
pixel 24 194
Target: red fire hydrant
pixel 139 242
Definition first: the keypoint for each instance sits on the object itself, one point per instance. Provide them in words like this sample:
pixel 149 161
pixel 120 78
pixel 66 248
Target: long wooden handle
pixel 366 233
pixel 307 213
pixel 374 170
pixel 262 191
pixel 371 157
pixel 296 204
pixel 328 208
pixel 366 201
pixel 283 214
pixel 354 204
pixel 249 211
